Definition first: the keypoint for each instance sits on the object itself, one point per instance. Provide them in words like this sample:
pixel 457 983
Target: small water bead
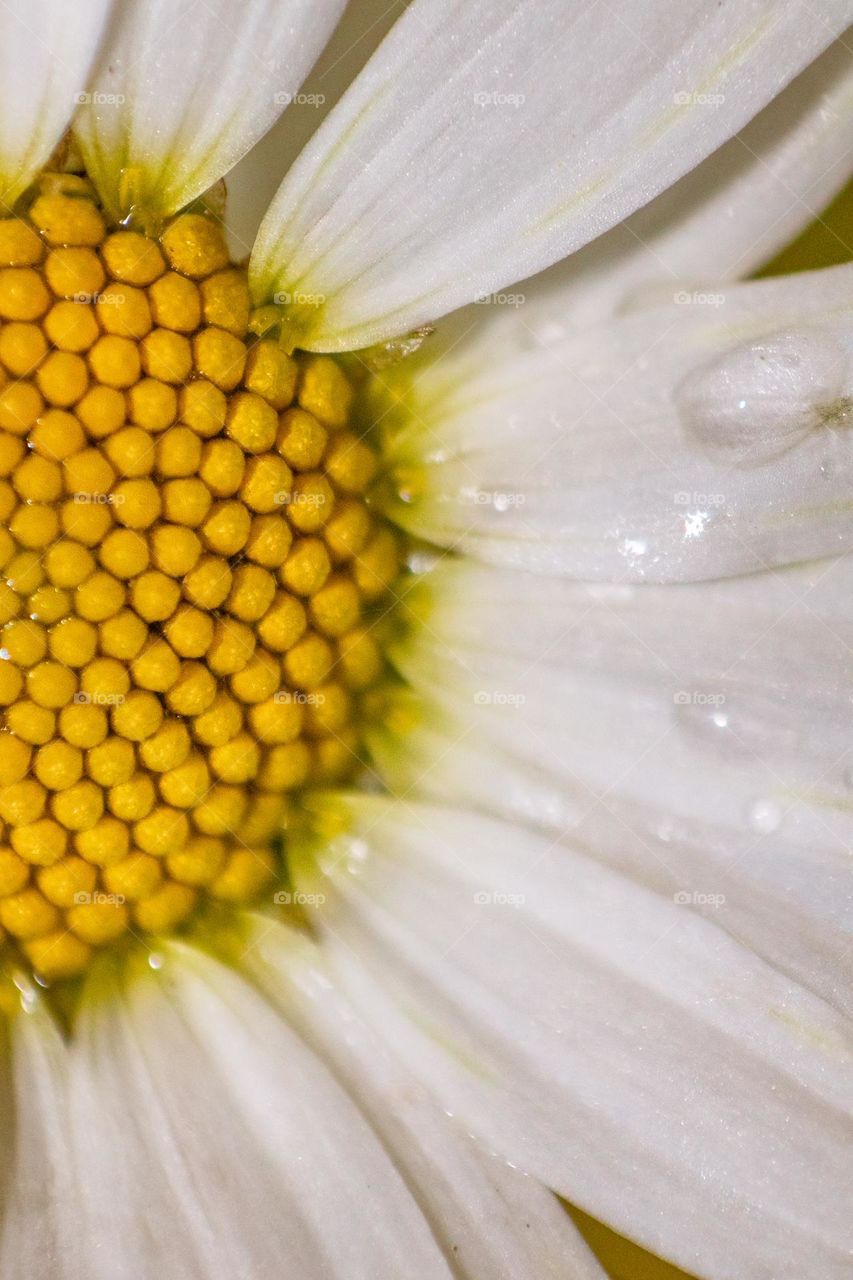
pixel 187 558
pixel 764 817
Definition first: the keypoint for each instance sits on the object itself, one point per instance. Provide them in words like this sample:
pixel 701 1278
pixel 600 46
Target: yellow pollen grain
pixel 187 554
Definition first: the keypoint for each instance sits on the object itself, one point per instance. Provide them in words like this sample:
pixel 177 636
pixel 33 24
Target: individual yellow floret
pixel 73 642
pixel 187 783
pixel 308 662
pixel 21 404
pixel 157 667
pixel 28 914
pixel 71 326
pixel 83 724
pixel 124 553
pixel 226 528
pixel 99 597
pixel 154 595
pixel 167 748
pixel 178 453
pixel 307 567
pixel 112 762
pixel 58 765
pixel 195 245
pixel 190 631
pixel 222 466
pixel 65 881
pixel 175 303
pixel 30 722
pixel 78 807
pixel 325 391
pixel 123 635
pixel 271 373
pixel 134 878
pixel 301 440
pixel 104 843
pixel 68 563
pixel 40 843
pixel 225 301
pixel 58 955
pixel 269 541
pixel 137 716
pixel 220 722
pixel 23 295
pixel 350 462
pixel 74 273
pixel 132 257
pixel 203 406
pixel 252 592
pixel 51 685
pixel 20 245
pixel 67 220
pixel 175 549
pixel 193 691
pixel 152 404
pixel 98 922
pixel 166 908
pixel 209 582
pixel 130 451
pixel 23 642
pixel 217 356
pixel 166 356
pixel 136 503
pixel 114 361
pixel 251 422
pixel 57 435
pixel 186 501
pixel 22 348
pixel 231 647
pixel 15 759
pixel 101 410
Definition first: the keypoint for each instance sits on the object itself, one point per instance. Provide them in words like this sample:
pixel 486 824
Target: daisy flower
pixel 425 762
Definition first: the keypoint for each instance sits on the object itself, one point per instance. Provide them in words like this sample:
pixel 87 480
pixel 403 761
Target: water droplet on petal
pixel 764 817
pixel 761 398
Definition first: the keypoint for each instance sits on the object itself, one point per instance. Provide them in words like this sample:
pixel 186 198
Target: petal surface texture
pixel 212 1143
pixel 486 139
pixel 491 1219
pixel 721 221
pixel 622 1049
pixel 700 439
pixel 184 89
pixel 46 52
pixel 694 738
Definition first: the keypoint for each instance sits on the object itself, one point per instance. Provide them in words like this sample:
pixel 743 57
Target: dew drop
pixel 761 398
pixel 763 816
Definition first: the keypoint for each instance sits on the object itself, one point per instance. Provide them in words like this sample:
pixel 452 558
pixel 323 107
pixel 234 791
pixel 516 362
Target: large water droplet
pixel 760 398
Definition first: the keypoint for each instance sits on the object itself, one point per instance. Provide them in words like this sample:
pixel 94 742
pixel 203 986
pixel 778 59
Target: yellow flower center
pixel 188 564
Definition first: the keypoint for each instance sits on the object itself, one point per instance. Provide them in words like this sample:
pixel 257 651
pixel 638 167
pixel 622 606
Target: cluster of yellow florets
pixel 186 555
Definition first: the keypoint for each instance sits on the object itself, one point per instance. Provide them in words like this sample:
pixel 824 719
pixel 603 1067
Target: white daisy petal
pixel 694 738
pixel 695 440
pixel 720 222
pixel 41 1206
pixel 46 50
pixel 195 1106
pixel 492 1220
pixel 619 1048
pixel 488 138
pixel 185 87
